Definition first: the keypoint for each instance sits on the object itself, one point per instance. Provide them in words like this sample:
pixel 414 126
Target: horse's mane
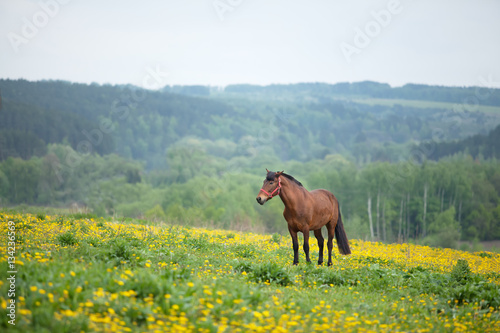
pixel 292 179
pixel 271 174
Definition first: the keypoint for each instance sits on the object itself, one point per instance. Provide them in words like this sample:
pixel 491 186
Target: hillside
pixel 133 123
pixel 484 146
pixel 164 277
pixel 304 121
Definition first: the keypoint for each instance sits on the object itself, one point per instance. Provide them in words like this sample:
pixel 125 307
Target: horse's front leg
pixel 306 244
pixel 321 242
pixel 295 244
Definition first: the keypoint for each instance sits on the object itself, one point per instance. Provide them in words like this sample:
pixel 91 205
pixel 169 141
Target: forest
pixel 406 163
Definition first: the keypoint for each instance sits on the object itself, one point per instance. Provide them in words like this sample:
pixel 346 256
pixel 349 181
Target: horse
pixel 306 211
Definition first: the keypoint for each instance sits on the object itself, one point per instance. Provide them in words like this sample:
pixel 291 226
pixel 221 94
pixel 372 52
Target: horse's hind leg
pixel 321 242
pixel 330 227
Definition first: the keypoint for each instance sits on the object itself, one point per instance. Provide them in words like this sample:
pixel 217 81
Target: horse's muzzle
pixel 261 200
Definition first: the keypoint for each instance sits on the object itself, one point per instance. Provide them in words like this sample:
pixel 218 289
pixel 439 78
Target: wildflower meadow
pixel 78 273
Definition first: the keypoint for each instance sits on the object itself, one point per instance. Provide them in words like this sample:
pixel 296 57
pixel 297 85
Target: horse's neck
pixel 292 194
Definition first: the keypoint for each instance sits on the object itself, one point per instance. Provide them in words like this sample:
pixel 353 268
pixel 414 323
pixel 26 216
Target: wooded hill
pixel 304 120
pixel 196 154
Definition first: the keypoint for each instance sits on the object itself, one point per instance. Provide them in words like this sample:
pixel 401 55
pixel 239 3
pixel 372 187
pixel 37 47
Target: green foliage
pixel 100 186
pixel 93 241
pixel 246 251
pixel 477 145
pixel 120 250
pixel 456 288
pixel 67 238
pixel 444 231
pixel 270 272
pixel 156 213
pixel 461 272
pixel 80 216
pixel 276 238
pixel 357 228
pixel 196 243
pixel 243 266
pixel 314 121
pixel 485 255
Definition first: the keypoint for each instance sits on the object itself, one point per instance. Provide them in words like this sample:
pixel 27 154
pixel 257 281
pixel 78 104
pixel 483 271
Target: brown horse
pixel 306 211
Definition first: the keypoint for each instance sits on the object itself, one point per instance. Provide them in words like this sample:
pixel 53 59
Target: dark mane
pixel 292 179
pixel 271 175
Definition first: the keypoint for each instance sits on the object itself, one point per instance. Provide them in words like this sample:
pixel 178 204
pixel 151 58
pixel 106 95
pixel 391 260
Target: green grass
pixel 95 275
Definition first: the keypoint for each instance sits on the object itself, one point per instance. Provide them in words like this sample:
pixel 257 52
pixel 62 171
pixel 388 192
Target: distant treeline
pixel 132 122
pixel 459 95
pixel 485 146
pixel 141 125
pixel 435 202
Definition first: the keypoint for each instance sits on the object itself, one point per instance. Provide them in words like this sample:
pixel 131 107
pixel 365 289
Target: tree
pixel 156 214
pixel 23 178
pixel 445 231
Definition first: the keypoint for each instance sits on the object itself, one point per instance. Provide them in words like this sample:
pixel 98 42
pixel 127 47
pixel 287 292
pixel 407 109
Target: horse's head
pixel 270 188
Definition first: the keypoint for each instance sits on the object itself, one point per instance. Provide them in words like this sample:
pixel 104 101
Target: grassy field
pixel 76 273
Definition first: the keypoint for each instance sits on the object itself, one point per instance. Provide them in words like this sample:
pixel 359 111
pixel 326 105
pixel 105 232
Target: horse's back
pixel 322 195
pixel 325 205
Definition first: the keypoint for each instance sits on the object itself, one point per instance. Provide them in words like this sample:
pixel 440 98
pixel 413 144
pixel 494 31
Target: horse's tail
pixel 342 242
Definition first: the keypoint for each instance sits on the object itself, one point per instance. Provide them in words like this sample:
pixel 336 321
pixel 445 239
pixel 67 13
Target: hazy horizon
pixel 222 42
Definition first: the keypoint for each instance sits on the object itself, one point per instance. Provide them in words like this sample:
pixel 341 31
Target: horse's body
pixel 306 211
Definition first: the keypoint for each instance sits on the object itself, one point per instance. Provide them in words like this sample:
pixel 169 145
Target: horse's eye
pixel 271 183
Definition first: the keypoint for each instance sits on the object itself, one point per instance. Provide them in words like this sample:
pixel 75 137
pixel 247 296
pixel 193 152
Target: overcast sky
pixel 448 42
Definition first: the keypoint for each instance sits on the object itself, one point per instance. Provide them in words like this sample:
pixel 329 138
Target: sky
pixel 220 42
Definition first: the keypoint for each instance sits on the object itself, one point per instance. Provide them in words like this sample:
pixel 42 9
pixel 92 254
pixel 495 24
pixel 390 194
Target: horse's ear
pixel 267 170
pixel 279 173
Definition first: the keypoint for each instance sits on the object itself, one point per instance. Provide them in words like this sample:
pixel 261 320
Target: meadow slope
pixel 77 273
